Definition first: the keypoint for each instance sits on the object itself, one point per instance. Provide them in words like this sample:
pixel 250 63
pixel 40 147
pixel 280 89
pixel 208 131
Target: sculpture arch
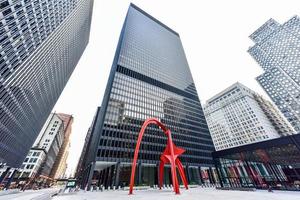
pixel 170 155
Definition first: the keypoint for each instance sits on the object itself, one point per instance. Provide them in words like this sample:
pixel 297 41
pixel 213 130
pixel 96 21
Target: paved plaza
pixel 191 194
pixel 44 194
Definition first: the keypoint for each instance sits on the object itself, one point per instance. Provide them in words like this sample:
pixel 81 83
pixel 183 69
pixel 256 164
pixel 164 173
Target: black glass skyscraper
pixel 150 77
pixel 41 42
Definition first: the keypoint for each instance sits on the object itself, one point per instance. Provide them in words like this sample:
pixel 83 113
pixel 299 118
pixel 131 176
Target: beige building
pixel 238 116
pixel 60 165
pixel 281 125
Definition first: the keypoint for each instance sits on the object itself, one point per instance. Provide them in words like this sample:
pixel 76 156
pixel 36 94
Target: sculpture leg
pixel 137 147
pixel 172 158
pixel 161 173
pixel 182 174
pixel 174 177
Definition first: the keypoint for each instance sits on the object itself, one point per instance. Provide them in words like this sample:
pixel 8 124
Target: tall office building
pixel 44 152
pixel 46 159
pixel 83 162
pixel 150 77
pixel 41 43
pixel 277 51
pixel 60 166
pixel 239 116
pixel 50 140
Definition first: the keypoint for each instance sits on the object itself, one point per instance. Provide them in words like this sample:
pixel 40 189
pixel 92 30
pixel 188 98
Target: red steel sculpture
pixel 170 155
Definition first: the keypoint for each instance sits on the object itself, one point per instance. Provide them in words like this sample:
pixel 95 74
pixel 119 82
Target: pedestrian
pixel 24 187
pixel 270 189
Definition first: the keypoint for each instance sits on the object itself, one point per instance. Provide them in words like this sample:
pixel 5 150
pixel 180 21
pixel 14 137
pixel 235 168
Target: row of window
pixel 23 111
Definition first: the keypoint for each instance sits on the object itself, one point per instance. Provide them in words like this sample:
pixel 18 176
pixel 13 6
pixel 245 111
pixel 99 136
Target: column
pixel 2 177
pixel 111 175
pixel 90 175
pixel 117 174
pixel 200 175
pixel 139 177
pixel 188 174
pixel 10 179
pixel 170 176
pixel 106 174
pixel 156 174
pixel 100 177
pixel 220 177
pixel 212 175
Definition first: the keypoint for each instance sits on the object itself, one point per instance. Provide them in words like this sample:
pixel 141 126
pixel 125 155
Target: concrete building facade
pixel 239 116
pixel 277 51
pixel 60 166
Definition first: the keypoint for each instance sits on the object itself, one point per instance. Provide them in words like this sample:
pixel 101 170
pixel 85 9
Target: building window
pixel 29 166
pixel 4 4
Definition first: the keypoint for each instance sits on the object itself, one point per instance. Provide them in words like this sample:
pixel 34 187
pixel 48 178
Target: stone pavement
pixel 43 194
pixel 191 194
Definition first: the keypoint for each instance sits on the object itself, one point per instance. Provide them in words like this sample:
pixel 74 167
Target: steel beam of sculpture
pixel 170 155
